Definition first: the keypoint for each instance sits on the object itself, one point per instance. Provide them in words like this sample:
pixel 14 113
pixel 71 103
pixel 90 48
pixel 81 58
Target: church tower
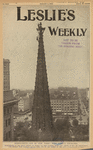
pixel 41 111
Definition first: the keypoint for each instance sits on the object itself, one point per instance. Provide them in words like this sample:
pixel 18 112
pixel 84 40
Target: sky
pixel 66 66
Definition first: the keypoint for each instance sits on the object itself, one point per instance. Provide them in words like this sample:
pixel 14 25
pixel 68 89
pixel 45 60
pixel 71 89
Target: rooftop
pixel 8 96
pixel 6 60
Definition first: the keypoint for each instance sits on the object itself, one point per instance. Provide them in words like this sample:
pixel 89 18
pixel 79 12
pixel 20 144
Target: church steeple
pixel 41 112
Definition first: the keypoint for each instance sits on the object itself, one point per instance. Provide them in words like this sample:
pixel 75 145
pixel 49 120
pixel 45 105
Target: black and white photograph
pixel 46 72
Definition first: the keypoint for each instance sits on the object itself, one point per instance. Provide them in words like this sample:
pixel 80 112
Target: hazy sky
pixel 65 66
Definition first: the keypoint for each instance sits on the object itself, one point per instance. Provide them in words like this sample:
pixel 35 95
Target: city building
pixel 41 110
pixel 6 75
pixel 24 104
pixel 67 103
pixel 8 104
pixel 82 120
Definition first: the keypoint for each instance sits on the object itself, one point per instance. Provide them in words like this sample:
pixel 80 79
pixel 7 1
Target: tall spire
pixel 41 112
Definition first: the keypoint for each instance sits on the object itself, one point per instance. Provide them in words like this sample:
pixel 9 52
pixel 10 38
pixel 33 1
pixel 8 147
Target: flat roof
pixel 12 101
pixel 6 60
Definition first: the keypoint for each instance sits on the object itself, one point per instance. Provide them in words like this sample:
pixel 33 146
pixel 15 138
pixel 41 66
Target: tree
pixel 66 122
pixel 62 127
pixel 61 124
pixel 75 123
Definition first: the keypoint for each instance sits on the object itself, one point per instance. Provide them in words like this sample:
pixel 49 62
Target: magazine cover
pixel 46 75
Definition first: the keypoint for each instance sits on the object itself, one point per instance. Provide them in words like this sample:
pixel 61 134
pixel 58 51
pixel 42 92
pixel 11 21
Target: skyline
pixel 66 66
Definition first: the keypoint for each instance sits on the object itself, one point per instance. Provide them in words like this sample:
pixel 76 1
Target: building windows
pixel 8 136
pixel 4 111
pixel 6 123
pixel 65 105
pixel 8 110
pixel 11 109
pixel 9 121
